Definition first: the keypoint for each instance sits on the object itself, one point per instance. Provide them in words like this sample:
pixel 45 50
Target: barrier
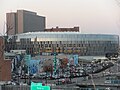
pixel 27 87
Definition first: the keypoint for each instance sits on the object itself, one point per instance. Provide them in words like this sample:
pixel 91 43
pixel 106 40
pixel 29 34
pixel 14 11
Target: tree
pixel 118 2
pixel 64 63
pixel 48 65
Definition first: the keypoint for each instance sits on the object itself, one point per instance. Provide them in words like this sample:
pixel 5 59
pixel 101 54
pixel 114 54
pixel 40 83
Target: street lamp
pixel 51 70
pixel 46 77
pixel 92 81
pixel 55 64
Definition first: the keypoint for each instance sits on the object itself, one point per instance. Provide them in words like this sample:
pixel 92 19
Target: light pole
pixel 54 64
pixel 92 81
pixel 70 72
pixel 51 70
pixel 46 77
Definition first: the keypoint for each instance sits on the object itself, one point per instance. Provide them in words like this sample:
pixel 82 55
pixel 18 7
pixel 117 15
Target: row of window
pixel 43 36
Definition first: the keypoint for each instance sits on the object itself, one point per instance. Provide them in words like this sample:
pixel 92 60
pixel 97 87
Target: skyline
pixel 92 16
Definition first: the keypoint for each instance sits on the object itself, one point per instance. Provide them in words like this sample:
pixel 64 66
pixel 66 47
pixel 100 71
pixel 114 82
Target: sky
pixel 92 16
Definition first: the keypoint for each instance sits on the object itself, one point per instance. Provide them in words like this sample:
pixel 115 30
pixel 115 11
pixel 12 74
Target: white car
pixel 107 81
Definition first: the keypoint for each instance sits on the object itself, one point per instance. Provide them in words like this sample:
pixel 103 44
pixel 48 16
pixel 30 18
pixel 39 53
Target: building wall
pixel 5 65
pixel 57 29
pixel 5 73
pixel 1 48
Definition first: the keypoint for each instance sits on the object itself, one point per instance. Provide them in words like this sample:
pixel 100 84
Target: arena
pixel 64 42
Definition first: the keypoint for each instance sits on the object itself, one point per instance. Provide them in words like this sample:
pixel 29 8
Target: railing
pixel 14 87
pixel 26 87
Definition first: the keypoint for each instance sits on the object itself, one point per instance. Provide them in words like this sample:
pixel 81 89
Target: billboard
pixel 34 66
pixel 27 59
pixel 75 57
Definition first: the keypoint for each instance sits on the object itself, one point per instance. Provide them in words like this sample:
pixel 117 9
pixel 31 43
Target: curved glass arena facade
pixel 65 42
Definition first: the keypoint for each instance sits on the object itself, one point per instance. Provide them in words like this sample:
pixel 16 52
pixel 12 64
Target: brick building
pixel 5 65
pixel 57 29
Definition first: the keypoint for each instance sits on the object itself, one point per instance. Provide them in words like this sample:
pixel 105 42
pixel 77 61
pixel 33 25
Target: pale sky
pixel 92 16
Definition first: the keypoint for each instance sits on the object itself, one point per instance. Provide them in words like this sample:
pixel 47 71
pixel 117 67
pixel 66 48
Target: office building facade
pixel 24 21
pixel 64 42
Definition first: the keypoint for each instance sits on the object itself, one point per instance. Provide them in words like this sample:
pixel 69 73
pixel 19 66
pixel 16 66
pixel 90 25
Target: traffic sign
pixel 38 86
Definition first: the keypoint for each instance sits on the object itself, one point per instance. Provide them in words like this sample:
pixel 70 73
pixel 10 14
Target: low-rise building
pixel 64 43
pixel 57 29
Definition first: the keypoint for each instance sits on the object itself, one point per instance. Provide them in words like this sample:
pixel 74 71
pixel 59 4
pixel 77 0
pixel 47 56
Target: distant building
pixel 5 65
pixel 57 29
pixel 24 21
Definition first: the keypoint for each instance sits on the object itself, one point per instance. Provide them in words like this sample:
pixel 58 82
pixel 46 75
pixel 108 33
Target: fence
pixel 15 87
pixel 26 87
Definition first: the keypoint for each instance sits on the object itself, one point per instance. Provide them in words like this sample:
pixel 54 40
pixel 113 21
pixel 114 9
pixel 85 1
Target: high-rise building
pixel 24 21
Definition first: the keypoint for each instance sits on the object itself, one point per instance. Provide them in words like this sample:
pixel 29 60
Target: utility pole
pixel 54 64
pixel 51 70
pixel 93 82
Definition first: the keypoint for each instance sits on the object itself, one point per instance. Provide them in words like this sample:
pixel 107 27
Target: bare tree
pixel 47 65
pixel 118 2
pixel 9 28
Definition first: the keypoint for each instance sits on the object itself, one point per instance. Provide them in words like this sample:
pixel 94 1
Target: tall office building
pixel 24 21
